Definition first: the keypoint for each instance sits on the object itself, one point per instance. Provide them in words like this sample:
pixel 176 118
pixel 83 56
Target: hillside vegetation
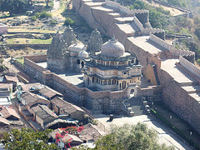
pixel 160 18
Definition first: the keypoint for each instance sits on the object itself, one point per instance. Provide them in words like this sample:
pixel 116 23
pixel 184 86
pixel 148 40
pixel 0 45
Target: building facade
pixel 112 68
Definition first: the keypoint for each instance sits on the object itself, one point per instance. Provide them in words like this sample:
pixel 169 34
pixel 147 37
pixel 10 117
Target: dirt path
pixel 58 9
pixel 173 11
pixel 56 5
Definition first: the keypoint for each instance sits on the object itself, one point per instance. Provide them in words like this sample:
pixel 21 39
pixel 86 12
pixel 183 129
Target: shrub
pixel 68 21
pixel 198 61
pixel 33 18
pixel 42 15
pixel 45 14
pixel 53 22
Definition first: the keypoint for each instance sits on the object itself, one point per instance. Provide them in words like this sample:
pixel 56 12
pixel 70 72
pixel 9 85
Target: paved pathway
pixel 166 135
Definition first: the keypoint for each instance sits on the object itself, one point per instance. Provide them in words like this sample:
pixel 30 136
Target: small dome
pixel 112 48
pixel 77 47
pixel 83 54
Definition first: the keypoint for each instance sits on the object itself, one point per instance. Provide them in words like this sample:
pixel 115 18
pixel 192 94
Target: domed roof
pixel 77 47
pixel 112 48
pixel 83 54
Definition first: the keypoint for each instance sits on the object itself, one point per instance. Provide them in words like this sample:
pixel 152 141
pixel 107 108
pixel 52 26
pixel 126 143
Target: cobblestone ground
pixel 166 136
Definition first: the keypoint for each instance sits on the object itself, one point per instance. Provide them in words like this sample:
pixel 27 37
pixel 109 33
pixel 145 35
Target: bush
pixel 198 61
pixel 45 14
pixel 53 22
pixel 33 18
pixel 42 15
pixel 68 21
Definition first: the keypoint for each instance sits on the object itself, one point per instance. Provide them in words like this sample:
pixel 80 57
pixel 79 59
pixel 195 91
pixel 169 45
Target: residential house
pixel 60 106
pixel 5 93
pixel 11 79
pixel 4 122
pixel 43 115
pixel 41 90
pixel 91 132
pixel 30 99
pixel 9 113
pixel 65 140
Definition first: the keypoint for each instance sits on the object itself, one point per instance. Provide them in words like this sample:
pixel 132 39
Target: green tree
pixel 68 21
pixel 27 139
pixel 197 32
pixel 15 6
pixel 137 137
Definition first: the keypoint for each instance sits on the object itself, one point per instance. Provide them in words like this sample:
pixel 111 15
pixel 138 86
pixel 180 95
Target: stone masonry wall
pixel 173 94
pixel 97 101
pixel 189 66
pixel 180 101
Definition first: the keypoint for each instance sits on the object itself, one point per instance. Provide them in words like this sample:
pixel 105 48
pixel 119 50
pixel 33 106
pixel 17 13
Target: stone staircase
pixel 133 107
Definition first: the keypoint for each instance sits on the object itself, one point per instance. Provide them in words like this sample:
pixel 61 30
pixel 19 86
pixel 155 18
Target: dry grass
pixel 28 41
pixel 173 11
pixel 30 30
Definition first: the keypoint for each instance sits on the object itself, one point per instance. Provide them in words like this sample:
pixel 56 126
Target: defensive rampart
pixel 182 98
pixel 98 101
pixel 110 19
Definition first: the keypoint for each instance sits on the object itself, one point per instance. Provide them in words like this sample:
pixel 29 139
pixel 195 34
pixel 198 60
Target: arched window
pixel 82 64
pixel 113 81
pixel 109 82
pixel 132 91
pixel 123 84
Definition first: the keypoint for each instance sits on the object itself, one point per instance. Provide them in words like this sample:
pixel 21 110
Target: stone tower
pixel 55 53
pixel 95 42
pixel 68 36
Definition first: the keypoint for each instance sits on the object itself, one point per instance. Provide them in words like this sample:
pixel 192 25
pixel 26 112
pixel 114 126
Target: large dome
pixel 83 54
pixel 112 48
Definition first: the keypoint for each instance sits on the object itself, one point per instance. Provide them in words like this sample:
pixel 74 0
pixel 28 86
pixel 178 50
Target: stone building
pixel 66 52
pixel 112 68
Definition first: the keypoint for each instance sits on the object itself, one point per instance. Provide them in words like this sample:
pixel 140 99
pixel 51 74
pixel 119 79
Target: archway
pixel 123 84
pixel 82 64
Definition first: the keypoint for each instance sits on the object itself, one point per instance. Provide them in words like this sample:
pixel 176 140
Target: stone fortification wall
pixel 142 15
pixel 160 42
pixel 180 101
pixel 176 53
pixel 97 101
pixel 101 15
pixel 137 23
pixel 190 67
pixel 37 59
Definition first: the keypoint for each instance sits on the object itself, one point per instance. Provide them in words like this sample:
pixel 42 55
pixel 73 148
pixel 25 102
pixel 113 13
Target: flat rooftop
pixel 144 43
pixel 103 9
pixel 75 79
pixel 124 19
pixel 4 101
pixel 126 28
pixel 179 76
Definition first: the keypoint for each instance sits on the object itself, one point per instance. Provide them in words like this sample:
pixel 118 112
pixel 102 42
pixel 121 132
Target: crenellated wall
pixel 181 101
pixel 105 16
